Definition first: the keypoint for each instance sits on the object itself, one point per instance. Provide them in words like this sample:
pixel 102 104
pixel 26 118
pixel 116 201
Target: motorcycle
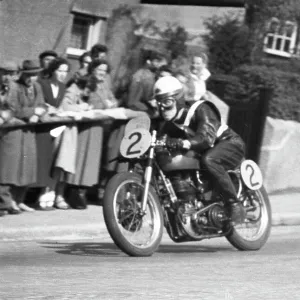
pixel 171 190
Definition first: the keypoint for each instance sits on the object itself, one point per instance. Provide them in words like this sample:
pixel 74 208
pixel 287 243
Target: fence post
pixel 249 120
pixel 265 97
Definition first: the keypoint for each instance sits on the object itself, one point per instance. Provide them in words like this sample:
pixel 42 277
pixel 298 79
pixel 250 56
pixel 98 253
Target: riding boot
pixel 237 212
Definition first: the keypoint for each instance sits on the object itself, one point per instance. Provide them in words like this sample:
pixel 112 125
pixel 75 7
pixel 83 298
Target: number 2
pixel 138 138
pixel 251 176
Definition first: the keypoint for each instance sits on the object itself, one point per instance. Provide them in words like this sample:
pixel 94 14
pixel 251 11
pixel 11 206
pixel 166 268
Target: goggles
pixel 167 102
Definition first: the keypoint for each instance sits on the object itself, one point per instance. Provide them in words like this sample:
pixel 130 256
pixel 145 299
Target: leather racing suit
pixel 220 147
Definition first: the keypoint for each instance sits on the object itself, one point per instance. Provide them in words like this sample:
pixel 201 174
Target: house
pixel 280 35
pixel 281 38
pixel 71 27
pixel 68 26
pixel 192 18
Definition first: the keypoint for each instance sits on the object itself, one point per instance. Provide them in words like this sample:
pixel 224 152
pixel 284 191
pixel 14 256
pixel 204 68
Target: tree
pixel 124 46
pixel 258 12
pixel 176 41
pixel 126 38
pixel 227 41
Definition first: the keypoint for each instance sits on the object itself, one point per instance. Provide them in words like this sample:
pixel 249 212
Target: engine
pixel 196 215
pixel 184 186
pixel 203 221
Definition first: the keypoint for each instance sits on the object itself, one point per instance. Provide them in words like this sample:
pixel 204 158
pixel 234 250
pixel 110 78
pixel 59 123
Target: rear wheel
pixel 254 232
pixel 134 233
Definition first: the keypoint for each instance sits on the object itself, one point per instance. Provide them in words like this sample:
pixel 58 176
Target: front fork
pixel 148 173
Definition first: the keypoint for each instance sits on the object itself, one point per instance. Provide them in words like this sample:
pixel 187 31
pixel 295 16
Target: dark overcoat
pixel 18 157
pixel 48 93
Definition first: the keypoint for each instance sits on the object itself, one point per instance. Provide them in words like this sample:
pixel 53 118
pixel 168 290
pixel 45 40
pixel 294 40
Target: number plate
pixel 251 174
pixel 135 143
pixel 138 122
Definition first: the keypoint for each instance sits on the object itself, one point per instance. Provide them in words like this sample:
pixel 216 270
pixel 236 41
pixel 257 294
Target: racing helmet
pixel 168 90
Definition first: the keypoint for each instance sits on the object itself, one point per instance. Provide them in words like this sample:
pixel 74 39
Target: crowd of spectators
pixel 63 160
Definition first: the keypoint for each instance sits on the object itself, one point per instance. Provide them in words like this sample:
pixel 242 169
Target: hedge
pixel 243 86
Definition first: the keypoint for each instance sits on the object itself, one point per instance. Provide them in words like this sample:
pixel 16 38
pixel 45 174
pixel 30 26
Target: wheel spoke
pixel 138 230
pixel 125 216
pixel 131 223
pixel 256 218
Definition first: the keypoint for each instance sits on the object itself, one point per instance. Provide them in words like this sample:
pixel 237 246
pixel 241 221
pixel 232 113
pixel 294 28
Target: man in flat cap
pixel 45 58
pixel 8 73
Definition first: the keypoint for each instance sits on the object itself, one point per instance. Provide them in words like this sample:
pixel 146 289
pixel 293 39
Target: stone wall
pixel 280 155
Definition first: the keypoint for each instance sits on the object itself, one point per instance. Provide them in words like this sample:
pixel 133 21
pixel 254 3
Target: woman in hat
pixel 26 96
pixel 18 158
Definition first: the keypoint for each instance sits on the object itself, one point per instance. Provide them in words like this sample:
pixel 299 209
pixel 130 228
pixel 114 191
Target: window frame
pixel 283 37
pixel 94 31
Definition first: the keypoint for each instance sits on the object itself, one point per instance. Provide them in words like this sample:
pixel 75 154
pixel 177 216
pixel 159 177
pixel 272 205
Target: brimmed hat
pixel 30 67
pixel 48 53
pixel 9 66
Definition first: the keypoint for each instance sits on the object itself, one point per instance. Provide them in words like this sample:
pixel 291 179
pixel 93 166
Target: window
pixel 80 32
pixel 85 33
pixel 281 38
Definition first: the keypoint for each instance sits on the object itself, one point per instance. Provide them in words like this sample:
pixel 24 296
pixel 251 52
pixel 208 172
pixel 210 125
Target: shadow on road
pixel 110 249
pixel 84 249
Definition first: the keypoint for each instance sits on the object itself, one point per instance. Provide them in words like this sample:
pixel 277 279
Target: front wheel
pixel 134 233
pixel 255 231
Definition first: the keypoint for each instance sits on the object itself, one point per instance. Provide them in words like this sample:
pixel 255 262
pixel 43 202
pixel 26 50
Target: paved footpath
pixel 89 223
pixel 285 208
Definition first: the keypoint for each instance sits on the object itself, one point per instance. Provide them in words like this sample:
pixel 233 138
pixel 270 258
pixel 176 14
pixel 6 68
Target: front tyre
pixel 133 233
pixel 255 231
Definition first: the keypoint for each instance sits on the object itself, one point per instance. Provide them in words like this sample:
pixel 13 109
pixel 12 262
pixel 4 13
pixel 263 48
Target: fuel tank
pixel 178 161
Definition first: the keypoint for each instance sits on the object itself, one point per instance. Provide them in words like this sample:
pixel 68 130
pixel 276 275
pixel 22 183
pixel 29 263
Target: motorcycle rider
pixel 220 147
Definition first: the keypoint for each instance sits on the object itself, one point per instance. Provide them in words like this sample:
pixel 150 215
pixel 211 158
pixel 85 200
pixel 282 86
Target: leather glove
pixel 174 143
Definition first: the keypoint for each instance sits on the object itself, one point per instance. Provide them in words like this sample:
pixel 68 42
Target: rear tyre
pixel 258 202
pixel 134 234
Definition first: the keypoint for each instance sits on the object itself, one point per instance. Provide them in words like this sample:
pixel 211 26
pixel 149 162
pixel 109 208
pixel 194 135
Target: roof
pixel 91 7
pixel 226 3
pixel 98 8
